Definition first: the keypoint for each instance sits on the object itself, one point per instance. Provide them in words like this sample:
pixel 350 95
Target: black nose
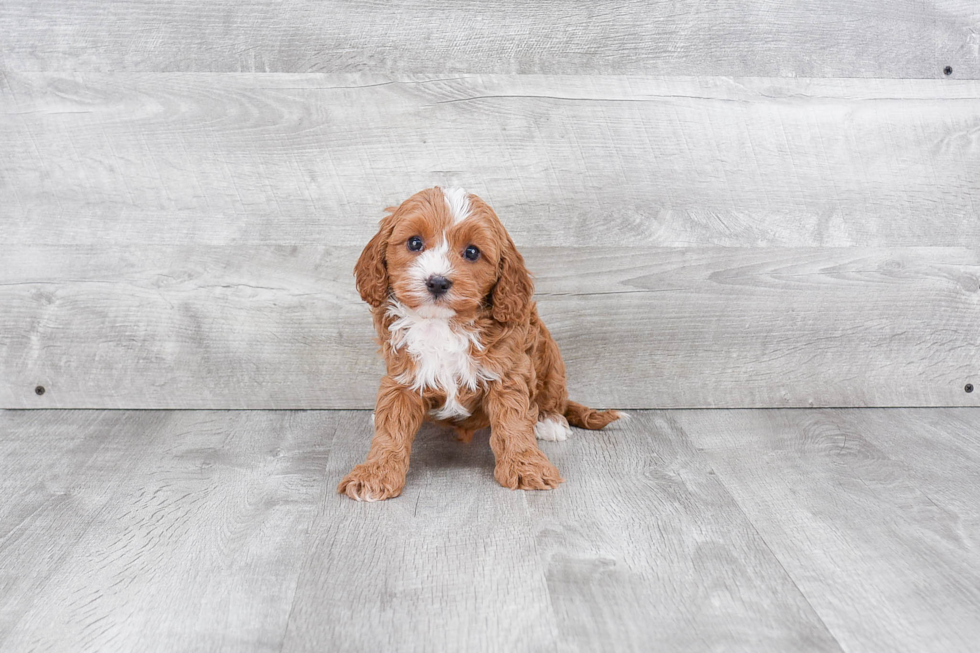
pixel 438 285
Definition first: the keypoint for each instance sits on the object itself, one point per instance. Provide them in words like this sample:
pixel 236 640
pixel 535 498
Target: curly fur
pixel 474 357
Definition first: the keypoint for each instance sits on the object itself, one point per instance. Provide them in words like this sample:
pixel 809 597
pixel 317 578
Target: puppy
pixel 462 343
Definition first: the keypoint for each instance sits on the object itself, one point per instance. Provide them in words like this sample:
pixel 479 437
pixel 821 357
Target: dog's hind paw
pixel 552 428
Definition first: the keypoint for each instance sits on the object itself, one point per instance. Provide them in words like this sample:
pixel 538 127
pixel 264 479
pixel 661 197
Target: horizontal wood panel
pixel 565 160
pixel 833 38
pixel 281 326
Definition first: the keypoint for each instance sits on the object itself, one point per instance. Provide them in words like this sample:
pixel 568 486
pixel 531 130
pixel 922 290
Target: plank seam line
pixel 560 98
pixel 556 634
pixel 326 493
pixel 765 543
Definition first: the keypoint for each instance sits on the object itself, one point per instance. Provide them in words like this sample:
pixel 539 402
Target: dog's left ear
pixel 371 270
pixel 511 296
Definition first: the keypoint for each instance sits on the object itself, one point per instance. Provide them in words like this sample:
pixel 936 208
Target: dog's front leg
pixel 397 417
pixel 521 465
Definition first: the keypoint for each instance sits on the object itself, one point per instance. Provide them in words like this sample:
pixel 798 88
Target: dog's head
pixel 445 253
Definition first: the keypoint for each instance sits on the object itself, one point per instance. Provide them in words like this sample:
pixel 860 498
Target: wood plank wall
pixel 757 204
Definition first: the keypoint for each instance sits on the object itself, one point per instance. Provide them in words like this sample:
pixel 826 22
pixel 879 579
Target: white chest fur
pixel 442 353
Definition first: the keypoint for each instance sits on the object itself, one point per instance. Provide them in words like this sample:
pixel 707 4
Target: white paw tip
pixel 552 429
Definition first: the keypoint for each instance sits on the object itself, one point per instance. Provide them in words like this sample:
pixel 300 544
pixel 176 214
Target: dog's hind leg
pixel 551 395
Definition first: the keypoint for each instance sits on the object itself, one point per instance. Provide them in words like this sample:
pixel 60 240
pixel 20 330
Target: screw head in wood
pixel 39 390
pixel 948 70
pixel 968 387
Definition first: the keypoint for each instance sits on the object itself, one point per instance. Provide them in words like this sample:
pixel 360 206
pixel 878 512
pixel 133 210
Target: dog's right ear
pixel 371 270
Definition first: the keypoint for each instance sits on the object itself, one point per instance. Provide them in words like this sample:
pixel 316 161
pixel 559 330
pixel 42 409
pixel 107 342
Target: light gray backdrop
pixel 725 204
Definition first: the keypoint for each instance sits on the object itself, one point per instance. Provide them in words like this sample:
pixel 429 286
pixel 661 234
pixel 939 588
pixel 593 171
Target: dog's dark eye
pixel 414 244
pixel 471 253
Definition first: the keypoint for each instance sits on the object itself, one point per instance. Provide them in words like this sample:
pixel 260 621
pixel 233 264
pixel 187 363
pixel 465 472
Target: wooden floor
pixel 757 530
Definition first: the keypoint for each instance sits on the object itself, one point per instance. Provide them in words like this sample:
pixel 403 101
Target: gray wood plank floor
pixel 761 530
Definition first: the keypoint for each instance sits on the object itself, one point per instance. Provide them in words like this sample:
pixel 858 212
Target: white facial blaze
pixel 458 201
pixel 441 352
pixel 433 262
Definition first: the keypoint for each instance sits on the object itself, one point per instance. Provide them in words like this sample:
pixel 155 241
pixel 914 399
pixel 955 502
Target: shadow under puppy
pixel 462 343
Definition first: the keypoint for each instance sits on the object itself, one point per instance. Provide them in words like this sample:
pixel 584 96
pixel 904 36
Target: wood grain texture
pixel 58 472
pixel 197 545
pixel 450 565
pixel 885 557
pixel 565 160
pixel 282 327
pixel 938 454
pixel 835 38
pixel 759 530
pixel 644 550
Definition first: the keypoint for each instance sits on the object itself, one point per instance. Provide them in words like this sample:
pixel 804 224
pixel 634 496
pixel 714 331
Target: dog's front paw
pixel 530 470
pixel 372 482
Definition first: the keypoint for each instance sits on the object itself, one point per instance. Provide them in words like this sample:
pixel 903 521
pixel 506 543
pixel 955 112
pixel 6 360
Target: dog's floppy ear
pixel 371 270
pixel 511 296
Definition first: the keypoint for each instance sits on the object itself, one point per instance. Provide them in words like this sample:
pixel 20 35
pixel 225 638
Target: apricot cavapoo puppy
pixel 462 343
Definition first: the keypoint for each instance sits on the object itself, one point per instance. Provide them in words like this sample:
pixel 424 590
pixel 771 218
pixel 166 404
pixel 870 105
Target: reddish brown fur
pixel 492 296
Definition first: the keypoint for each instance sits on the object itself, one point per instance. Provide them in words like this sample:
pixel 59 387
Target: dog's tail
pixel 586 418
